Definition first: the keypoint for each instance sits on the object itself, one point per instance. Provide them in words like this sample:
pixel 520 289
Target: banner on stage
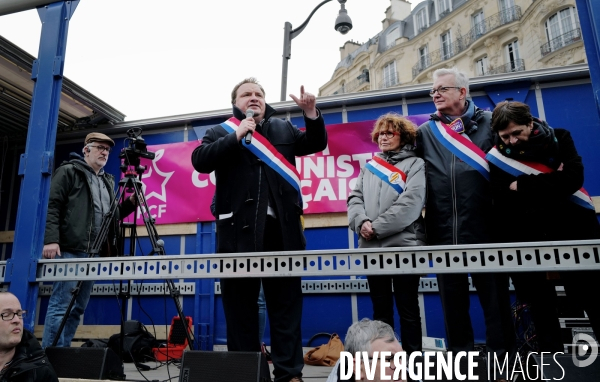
pixel 176 193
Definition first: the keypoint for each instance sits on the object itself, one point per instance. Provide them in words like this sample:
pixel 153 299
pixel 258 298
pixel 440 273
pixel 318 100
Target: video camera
pixel 136 150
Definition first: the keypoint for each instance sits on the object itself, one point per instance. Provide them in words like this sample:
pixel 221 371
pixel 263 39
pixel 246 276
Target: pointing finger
pixel 301 90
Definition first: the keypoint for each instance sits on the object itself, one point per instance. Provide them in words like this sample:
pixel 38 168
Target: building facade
pixel 481 37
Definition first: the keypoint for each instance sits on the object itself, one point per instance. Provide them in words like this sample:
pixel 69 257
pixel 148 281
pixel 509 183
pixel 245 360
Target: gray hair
pixel 361 334
pixel 460 78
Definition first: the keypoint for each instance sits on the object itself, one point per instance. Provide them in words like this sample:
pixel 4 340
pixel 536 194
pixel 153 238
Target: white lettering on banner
pixel 325 190
pixel 362 158
pixel 344 162
pixel 201 183
pixel 162 208
pixel 316 168
pixel 317 171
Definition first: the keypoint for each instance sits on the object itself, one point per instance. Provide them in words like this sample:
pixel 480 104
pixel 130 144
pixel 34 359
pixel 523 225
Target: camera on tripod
pixel 136 149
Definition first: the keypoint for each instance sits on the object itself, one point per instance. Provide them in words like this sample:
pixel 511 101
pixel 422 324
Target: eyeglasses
pixel 387 134
pixel 10 315
pixel 442 90
pixel 102 148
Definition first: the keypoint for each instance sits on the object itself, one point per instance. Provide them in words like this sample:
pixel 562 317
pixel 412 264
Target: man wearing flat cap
pixel 81 193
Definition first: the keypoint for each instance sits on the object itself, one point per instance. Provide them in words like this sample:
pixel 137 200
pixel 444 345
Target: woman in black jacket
pixel 543 204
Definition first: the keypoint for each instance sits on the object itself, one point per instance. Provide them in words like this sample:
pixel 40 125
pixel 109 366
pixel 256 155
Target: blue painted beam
pixel 37 162
pixel 204 312
pixel 589 18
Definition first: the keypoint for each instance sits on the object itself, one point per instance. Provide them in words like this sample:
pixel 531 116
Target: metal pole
pixel 288 35
pixel 287 53
pixel 37 163
pixel 589 18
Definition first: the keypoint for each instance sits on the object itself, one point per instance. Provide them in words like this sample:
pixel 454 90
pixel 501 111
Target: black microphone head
pixel 249 113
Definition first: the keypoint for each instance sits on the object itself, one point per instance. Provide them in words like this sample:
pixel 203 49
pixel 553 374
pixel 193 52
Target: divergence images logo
pixel 582 345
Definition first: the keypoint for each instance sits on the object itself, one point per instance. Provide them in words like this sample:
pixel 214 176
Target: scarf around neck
pixel 467 118
pixel 542 146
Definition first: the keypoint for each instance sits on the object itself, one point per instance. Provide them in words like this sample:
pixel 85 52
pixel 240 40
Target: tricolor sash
pixel 266 152
pixel 461 146
pixel 388 173
pixel 516 168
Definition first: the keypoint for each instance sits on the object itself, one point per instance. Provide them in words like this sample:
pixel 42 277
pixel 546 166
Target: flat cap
pixel 98 137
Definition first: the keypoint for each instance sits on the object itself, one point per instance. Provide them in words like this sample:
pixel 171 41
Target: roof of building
pixel 79 109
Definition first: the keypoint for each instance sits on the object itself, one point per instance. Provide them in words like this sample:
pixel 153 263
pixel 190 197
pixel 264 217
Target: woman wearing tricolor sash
pixel 537 179
pixel 384 210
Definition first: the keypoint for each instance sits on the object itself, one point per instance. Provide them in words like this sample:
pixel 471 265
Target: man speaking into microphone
pixel 258 204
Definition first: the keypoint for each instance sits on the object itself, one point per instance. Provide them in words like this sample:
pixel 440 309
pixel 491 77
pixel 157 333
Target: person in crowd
pixel 258 208
pixel 81 193
pixel 370 336
pixel 537 179
pixel 384 209
pixel 21 356
pixel 458 209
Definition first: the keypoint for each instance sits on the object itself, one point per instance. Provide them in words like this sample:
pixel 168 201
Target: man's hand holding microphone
pixel 247 127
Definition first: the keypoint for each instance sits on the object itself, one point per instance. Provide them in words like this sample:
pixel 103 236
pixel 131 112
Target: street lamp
pixel 343 24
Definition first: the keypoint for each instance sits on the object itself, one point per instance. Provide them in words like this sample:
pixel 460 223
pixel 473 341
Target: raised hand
pixel 307 102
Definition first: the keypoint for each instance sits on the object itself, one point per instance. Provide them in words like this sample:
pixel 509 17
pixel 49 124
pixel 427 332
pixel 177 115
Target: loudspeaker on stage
pixel 214 366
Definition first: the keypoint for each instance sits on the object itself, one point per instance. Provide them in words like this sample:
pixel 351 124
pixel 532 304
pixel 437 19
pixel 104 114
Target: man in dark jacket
pixel 258 209
pixel 81 193
pixel 537 176
pixel 21 356
pixel 458 209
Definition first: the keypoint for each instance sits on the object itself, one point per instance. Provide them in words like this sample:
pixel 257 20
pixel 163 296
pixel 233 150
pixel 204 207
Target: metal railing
pixel 509 67
pixel 351 86
pixel 563 40
pixel 463 42
pixel 389 81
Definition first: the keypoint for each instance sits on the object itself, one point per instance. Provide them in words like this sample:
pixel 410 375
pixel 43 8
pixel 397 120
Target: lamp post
pixel 342 24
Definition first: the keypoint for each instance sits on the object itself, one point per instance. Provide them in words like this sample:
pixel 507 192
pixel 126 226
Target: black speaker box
pixel 211 366
pixel 560 368
pixel 86 363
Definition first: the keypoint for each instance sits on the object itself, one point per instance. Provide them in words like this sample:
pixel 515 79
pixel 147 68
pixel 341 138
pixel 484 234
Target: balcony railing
pixel 509 67
pixel 463 42
pixel 351 86
pixel 391 80
pixel 555 44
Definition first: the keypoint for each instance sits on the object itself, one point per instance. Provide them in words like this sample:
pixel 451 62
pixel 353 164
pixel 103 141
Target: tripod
pixel 131 182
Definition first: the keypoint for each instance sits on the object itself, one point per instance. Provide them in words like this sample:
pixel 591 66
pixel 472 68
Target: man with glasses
pixel 21 357
pixel 453 144
pixel 81 193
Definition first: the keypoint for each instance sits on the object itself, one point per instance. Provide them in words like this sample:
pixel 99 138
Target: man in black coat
pixel 21 356
pixel 258 204
pixel 458 210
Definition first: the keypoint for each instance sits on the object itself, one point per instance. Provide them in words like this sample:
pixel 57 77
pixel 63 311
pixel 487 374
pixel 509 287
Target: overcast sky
pixel 151 58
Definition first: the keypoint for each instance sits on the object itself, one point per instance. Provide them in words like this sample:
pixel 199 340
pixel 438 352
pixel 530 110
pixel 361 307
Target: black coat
pixel 459 198
pixel 540 209
pixel 70 217
pixel 245 183
pixel 30 363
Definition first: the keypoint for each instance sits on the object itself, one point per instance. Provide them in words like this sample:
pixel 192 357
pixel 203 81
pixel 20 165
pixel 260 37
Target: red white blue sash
pixel 461 146
pixel 266 152
pixel 516 168
pixel 388 173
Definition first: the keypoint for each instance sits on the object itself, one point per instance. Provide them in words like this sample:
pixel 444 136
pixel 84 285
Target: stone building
pixel 481 37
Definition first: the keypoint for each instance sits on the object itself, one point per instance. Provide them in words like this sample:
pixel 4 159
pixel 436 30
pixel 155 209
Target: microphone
pixel 249 114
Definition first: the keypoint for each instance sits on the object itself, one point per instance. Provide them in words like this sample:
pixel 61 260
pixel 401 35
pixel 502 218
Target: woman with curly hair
pixel 384 210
